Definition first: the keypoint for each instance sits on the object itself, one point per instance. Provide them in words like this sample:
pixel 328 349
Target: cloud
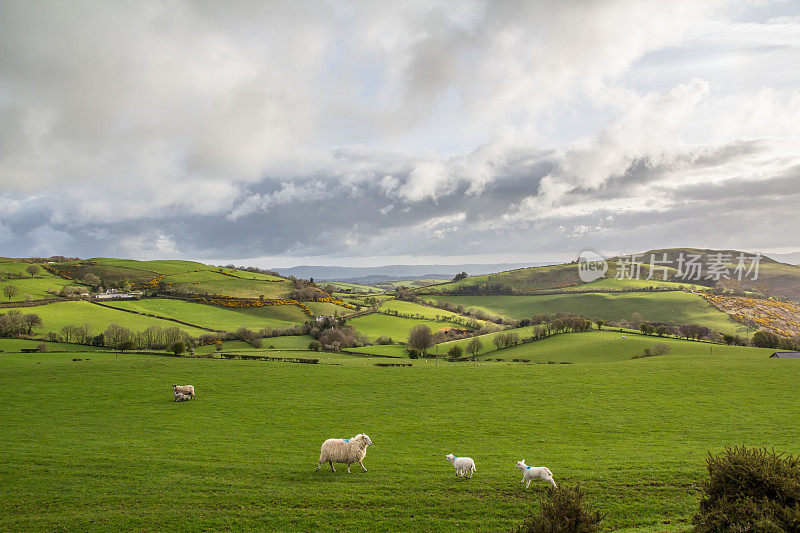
pixel 357 128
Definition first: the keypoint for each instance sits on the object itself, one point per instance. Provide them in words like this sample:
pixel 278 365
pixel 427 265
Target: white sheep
pixel 464 466
pixel 347 451
pixel 185 389
pixel 530 473
pixel 181 397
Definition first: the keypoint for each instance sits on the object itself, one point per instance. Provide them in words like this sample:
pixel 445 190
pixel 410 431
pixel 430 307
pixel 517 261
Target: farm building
pixel 786 355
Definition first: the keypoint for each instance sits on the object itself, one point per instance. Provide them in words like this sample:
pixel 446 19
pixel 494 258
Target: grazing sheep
pixel 185 389
pixel 530 473
pixel 346 451
pixel 464 466
pixel 181 397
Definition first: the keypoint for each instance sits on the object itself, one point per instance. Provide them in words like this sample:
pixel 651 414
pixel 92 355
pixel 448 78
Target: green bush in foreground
pixel 750 489
pixel 564 511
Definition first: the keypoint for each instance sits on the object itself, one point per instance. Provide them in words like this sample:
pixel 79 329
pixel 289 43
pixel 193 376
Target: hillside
pixel 773 279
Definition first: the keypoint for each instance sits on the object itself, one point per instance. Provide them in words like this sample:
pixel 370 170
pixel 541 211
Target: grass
pixel 633 433
pixel 666 307
pixel 212 282
pixel 213 317
pixel 38 288
pixel 423 311
pixel 57 315
pixel 377 324
pixel 606 346
pixel 16 345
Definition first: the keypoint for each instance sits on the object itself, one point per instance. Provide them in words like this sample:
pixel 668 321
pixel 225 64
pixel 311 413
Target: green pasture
pixel 674 307
pixel 242 455
pixel 395 350
pixel 377 324
pixel 44 285
pixel 57 315
pixel 424 311
pixel 15 267
pixel 211 316
pixel 611 345
pixel 16 345
pixel 212 282
pixel 157 266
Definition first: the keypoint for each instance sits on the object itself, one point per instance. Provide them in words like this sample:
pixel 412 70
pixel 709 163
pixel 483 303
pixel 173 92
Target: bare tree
pixel 420 338
pixel 32 269
pixel 474 346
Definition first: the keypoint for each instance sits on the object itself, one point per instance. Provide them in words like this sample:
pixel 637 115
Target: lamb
pixel 347 451
pixel 181 397
pixel 185 389
pixel 463 465
pixel 530 473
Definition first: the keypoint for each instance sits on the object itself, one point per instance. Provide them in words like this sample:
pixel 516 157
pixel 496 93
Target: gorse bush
pixel 750 489
pixel 564 511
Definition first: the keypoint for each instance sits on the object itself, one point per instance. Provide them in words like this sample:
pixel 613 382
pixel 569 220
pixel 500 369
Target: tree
pixel 115 335
pixel 599 323
pixel 420 338
pixel 177 347
pixel 3 273
pixel 126 345
pixel 30 321
pixel 32 269
pixel 474 346
pixel 766 339
pixel 455 351
pixel 459 277
pixel 10 291
pixel 91 280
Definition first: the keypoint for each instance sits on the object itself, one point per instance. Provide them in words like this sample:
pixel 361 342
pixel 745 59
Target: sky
pixel 365 133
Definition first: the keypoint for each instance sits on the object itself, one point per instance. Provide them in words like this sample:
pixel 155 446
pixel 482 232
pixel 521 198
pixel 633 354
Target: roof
pixel 786 355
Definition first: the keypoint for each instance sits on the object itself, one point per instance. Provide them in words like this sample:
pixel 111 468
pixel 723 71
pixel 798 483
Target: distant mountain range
pixel 397 272
pixel 792 258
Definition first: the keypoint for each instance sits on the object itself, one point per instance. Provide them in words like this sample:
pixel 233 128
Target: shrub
pixel 314 346
pixel 177 347
pixel 455 351
pixel 42 347
pixel 564 511
pixel 383 339
pixel 750 489
pixel 413 353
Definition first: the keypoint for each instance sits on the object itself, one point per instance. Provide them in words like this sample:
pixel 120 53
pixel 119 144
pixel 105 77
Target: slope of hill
pixel 769 277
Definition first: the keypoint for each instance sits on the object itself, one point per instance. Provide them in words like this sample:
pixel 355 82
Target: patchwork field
pixel 57 315
pixel 377 324
pixel 209 316
pixel 675 307
pixel 41 287
pixel 251 451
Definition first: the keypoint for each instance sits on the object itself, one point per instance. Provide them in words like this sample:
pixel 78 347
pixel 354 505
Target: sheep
pixel 346 451
pixel 181 397
pixel 530 473
pixel 464 466
pixel 185 389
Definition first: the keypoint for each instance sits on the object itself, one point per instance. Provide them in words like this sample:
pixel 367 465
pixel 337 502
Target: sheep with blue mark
pixel 529 473
pixel 347 451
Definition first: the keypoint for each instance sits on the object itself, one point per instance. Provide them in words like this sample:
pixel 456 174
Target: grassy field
pixel 212 282
pixel 671 307
pixel 40 287
pixel 634 433
pixel 605 346
pixel 213 317
pixel 57 315
pixel 423 311
pixel 377 324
